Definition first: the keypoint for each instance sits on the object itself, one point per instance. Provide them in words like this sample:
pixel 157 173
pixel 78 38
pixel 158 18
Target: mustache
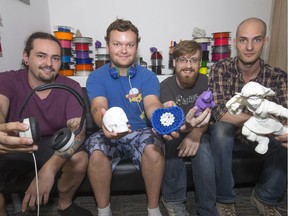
pixel 46 67
pixel 188 69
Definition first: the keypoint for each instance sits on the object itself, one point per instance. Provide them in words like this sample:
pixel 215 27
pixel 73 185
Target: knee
pixel 153 153
pixel 222 130
pixel 80 162
pixel 97 158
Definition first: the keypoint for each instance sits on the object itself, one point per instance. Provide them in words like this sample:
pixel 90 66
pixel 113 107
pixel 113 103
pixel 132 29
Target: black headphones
pixel 64 137
pixel 115 74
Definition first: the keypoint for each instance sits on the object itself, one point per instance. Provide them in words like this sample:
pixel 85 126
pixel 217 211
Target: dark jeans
pixel 174 187
pixel 271 185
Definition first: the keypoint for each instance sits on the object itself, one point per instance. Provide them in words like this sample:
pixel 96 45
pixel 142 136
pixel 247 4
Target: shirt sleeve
pixel 220 89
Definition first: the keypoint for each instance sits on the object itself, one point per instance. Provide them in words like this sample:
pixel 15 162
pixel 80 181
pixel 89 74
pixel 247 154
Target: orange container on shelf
pixel 84 67
pixel 63 35
pixel 68 72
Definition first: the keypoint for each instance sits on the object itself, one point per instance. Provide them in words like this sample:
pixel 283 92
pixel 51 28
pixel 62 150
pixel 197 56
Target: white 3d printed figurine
pixel 262 122
pixel 115 120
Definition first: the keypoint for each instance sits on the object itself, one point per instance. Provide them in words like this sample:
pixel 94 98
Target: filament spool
pixel 65 43
pixel 221 35
pixel 83 67
pixel 69 72
pixel 83 60
pixel 63 35
pixel 82 54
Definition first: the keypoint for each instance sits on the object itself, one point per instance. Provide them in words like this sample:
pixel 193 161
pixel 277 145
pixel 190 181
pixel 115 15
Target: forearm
pixel 151 103
pixel 97 105
pixel 4 106
pixel 199 131
pixel 97 115
pixel 54 164
pixel 237 120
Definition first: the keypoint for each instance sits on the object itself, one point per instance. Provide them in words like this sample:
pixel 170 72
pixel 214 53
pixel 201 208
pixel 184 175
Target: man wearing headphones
pixel 53 109
pixel 135 89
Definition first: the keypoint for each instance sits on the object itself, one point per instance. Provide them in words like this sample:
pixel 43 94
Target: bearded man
pixel 182 89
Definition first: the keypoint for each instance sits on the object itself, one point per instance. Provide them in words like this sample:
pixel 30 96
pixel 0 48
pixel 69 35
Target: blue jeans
pixel 271 185
pixel 174 186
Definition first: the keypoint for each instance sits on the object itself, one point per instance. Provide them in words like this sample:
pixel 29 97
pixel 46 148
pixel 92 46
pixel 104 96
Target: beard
pixel 43 76
pixel 187 81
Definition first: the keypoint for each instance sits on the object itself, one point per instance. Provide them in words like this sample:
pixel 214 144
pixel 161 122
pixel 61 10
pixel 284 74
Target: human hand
pixel 45 184
pixel 174 134
pixel 188 147
pixel 202 119
pixel 111 134
pixel 169 104
pixel 10 142
pixel 283 139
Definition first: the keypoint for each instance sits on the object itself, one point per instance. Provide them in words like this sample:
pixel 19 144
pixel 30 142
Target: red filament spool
pixel 221 35
pixel 81 46
pixel 221 41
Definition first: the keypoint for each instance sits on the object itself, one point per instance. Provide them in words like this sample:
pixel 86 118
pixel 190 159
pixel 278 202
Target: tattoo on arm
pixel 94 110
pixel 73 125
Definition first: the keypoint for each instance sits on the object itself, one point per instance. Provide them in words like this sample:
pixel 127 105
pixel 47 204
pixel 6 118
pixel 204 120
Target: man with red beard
pixel 182 90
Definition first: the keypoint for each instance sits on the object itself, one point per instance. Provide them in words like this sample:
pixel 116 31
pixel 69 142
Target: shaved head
pixel 252 21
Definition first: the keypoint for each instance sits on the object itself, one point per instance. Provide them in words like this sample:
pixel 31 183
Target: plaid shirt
pixel 225 79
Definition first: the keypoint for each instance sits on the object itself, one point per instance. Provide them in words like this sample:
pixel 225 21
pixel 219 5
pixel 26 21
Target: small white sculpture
pixel 263 121
pixel 115 120
pixel 167 119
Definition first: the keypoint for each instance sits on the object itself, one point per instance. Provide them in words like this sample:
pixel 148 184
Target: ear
pixel 266 40
pixel 174 63
pixel 234 42
pixel 25 57
pixel 107 48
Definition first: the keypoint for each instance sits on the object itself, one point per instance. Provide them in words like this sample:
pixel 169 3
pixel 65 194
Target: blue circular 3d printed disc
pixel 167 120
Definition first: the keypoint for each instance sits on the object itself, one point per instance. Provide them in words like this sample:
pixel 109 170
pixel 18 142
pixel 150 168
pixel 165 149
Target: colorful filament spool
pixel 221 48
pixel 81 47
pixel 68 72
pixel 66 59
pixel 82 54
pixel 221 41
pixel 84 64
pixel 221 35
pixel 82 67
pixel 63 35
pixel 83 60
pixel 65 43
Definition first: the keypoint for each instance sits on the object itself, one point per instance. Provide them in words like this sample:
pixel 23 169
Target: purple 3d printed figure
pixel 205 100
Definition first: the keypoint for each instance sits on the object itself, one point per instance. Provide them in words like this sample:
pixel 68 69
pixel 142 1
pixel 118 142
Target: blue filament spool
pixel 167 120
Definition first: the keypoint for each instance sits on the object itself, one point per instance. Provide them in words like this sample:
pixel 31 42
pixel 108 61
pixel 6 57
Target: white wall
pixel 158 21
pixel 19 21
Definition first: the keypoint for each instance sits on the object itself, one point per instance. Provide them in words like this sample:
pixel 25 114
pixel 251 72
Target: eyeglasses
pixel 193 61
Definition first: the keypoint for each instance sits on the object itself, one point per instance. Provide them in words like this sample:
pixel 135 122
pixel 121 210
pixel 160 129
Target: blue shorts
pixel 130 146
